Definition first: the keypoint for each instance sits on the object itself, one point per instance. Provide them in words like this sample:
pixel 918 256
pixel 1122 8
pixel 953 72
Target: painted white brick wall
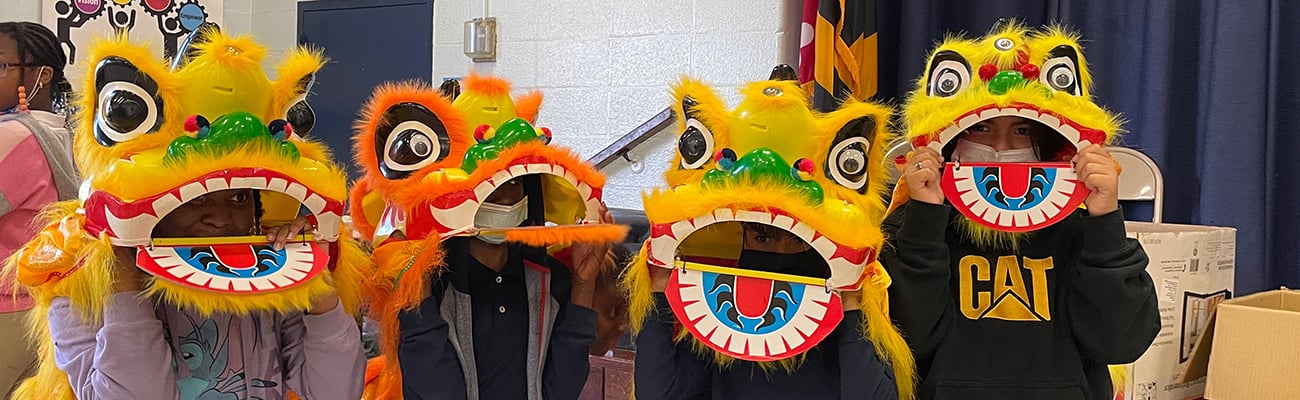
pixel 273 22
pixel 604 67
pixel 237 17
pixel 20 10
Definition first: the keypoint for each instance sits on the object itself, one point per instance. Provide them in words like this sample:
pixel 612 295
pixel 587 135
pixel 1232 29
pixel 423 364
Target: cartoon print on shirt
pixel 213 374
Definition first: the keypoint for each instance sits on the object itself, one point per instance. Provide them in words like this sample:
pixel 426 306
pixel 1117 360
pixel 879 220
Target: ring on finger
pixel 919 165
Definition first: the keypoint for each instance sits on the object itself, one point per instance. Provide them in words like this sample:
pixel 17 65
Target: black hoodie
pixel 1041 322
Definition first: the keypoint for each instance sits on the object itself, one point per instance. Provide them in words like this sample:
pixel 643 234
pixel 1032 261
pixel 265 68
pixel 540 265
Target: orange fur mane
pixel 372 115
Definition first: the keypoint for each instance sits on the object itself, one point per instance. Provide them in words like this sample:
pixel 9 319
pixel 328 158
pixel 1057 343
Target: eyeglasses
pixel 4 67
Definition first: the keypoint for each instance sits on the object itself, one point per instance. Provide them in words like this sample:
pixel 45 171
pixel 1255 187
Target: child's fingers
pixel 286 233
pixel 923 177
pixel 1092 151
pixel 281 237
pixel 1097 166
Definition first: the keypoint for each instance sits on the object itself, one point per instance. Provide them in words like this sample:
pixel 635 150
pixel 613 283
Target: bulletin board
pixel 162 24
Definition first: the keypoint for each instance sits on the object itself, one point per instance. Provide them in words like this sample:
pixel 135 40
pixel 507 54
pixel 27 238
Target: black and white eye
pixel 949 74
pixel 127 103
pixel 695 144
pixel 300 114
pixel 301 117
pixel 1061 70
pixel 414 146
pixel 847 161
pixel 413 139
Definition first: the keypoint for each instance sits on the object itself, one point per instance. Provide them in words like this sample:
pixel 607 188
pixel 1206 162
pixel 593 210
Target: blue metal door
pixel 367 42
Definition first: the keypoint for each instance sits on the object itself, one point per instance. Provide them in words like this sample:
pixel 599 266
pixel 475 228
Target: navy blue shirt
pixel 499 303
pixel 430 366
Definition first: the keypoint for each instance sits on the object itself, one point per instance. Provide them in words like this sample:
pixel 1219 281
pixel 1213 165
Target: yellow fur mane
pixel 848 216
pixel 67 261
pixel 926 115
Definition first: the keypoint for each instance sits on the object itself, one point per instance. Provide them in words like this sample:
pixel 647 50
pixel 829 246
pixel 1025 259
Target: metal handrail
pixel 640 134
pixel 635 137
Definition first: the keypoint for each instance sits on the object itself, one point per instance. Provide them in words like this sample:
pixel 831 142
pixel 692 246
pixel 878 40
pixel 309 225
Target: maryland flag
pixel 837 57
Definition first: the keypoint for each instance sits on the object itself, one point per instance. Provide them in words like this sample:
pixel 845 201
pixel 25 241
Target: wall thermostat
pixel 481 39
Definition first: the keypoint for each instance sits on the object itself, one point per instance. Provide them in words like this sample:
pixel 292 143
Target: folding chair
pixel 1140 180
pixel 898 147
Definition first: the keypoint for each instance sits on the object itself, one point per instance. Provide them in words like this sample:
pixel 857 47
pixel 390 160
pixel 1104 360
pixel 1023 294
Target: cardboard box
pixel 1250 349
pixel 1192 268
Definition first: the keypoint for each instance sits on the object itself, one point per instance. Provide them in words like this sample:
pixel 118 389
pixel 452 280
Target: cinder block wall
pixel 603 66
pixel 20 10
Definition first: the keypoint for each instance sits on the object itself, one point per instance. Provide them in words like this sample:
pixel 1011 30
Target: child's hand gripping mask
pixel 742 179
pixel 1036 79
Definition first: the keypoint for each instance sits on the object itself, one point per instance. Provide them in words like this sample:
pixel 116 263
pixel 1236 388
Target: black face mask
pixel 807 263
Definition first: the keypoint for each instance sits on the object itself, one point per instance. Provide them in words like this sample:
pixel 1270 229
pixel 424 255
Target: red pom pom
pixel 1029 71
pixel 192 123
pixel 987 71
pixel 804 165
pixel 480 132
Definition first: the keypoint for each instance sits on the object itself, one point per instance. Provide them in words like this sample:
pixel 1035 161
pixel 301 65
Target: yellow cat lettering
pixel 1008 299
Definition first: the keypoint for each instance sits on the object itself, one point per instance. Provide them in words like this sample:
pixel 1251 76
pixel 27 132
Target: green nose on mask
pixel 1004 81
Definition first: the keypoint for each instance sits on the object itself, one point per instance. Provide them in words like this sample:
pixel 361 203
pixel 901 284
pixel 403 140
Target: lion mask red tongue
pixel 236 268
pixel 1014 179
pixel 236 257
pixel 751 318
pixel 753 296
pixel 1013 197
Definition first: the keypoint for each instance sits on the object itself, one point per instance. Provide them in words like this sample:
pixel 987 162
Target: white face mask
pixel 500 216
pixel 969 151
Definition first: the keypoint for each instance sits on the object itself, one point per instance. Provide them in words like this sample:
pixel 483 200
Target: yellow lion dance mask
pixel 146 144
pixel 770 161
pixel 1013 71
pixel 150 137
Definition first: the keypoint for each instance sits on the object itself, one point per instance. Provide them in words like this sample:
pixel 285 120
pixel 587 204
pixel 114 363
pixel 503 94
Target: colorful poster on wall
pixel 163 23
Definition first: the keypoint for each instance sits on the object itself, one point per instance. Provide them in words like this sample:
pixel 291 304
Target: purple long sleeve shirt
pixel 144 352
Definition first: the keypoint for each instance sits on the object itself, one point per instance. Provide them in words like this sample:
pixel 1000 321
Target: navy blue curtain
pixel 1208 88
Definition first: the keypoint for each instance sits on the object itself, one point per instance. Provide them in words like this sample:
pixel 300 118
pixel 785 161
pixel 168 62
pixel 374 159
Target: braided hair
pixel 38 46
